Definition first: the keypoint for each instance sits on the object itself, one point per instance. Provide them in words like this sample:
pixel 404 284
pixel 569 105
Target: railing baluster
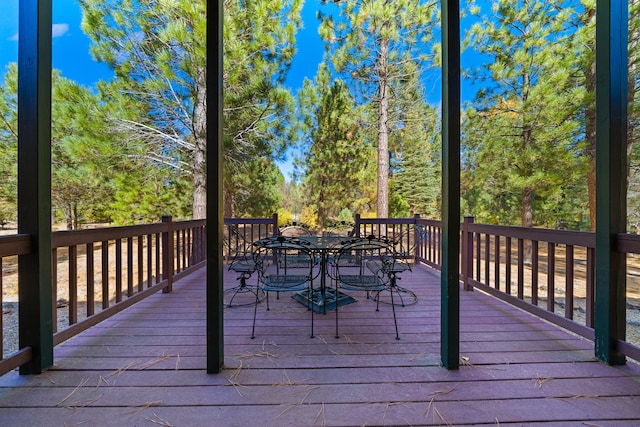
pixel 118 270
pixel 590 286
pixel 487 258
pixel 190 247
pixel 478 256
pixel 158 259
pixel 507 262
pixel 168 254
pixel 534 272
pixel 551 277
pixel 496 264
pixel 176 251
pixel 54 288
pixel 105 274
pixel 184 249
pixel 90 281
pixel 521 256
pixel 73 285
pixel 130 267
pixel 140 263
pixel 569 274
pixel 149 260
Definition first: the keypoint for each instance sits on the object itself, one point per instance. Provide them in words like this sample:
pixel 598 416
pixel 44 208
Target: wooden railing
pixel 10 248
pixel 240 232
pixel 99 272
pixel 549 273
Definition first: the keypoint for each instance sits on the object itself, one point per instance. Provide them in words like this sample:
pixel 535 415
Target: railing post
pixel 275 225
pixel 34 183
pixel 356 226
pixel 416 238
pixel 467 253
pixel 612 26
pixel 167 255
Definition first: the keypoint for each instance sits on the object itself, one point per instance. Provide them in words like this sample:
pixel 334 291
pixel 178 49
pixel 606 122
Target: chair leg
pixel 393 306
pixel 310 304
pixel 337 335
pixel 255 312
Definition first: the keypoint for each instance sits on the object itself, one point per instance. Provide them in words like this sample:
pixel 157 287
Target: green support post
pixel 611 142
pixel 34 182
pixel 215 215
pixel 450 284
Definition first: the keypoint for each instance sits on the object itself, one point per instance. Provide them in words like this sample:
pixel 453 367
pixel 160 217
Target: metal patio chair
pixel 404 247
pixel 363 264
pixel 239 255
pixel 284 264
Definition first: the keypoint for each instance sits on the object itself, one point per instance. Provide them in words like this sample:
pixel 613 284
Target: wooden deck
pixel 145 366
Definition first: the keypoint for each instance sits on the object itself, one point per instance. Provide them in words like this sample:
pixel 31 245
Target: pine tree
pixel 380 45
pixel 158 52
pixel 336 152
pixel 525 140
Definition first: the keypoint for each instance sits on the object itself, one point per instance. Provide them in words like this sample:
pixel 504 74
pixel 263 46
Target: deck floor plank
pixel 145 366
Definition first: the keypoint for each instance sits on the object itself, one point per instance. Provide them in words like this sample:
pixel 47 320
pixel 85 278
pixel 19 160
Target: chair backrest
pixel 340 228
pixel 288 259
pixel 405 243
pixel 365 255
pixel 239 251
pixel 296 229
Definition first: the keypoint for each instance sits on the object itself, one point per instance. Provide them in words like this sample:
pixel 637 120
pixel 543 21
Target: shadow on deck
pixel 146 366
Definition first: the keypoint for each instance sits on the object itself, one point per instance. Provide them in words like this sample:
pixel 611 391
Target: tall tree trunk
pixel 590 135
pixel 632 119
pixel 527 207
pixel 590 122
pixel 528 190
pixel 382 206
pixel 68 216
pixel 321 214
pixel 200 151
pixel 229 211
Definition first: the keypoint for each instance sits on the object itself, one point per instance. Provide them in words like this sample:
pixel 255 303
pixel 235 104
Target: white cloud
pixel 57 30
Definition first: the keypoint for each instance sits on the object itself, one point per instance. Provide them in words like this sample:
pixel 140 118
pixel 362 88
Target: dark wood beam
pixel 215 217
pixel 34 182
pixel 450 284
pixel 611 180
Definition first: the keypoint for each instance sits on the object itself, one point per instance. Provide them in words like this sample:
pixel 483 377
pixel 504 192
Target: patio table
pixel 324 299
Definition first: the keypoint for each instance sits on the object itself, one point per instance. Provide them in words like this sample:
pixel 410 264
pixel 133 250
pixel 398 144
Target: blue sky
pixel 71 46
pixel 71 49
pixel 70 52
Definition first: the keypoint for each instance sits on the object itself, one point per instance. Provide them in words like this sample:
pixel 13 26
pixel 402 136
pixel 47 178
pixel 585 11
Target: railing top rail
pixel 238 221
pixel 429 222
pixel 387 220
pixel 568 237
pixel 15 244
pixel 184 225
pixel 628 243
pixel 79 237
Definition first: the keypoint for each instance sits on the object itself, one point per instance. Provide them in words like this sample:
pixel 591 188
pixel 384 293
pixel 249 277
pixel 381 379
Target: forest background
pixel 363 133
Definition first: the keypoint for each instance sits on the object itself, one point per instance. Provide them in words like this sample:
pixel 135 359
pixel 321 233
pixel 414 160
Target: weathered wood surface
pixel 146 366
